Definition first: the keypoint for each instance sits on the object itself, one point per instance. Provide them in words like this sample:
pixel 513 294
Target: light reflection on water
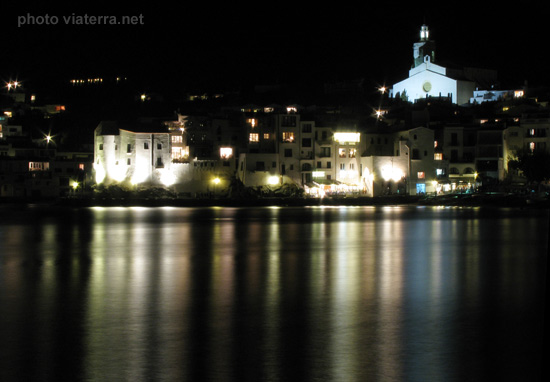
pixel 250 294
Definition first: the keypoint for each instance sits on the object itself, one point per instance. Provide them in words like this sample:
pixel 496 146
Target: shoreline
pixel 460 200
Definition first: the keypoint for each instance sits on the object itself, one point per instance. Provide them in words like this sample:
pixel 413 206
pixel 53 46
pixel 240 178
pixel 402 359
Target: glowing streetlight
pixel 382 89
pixel 74 185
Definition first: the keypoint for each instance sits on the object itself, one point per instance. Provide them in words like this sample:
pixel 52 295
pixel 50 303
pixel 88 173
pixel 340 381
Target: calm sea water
pixel 272 294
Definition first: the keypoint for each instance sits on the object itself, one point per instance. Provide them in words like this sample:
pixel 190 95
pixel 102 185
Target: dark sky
pixel 201 45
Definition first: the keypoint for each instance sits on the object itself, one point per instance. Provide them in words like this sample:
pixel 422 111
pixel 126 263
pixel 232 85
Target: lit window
pixel 352 153
pixel 347 137
pixel 421 175
pixel 226 152
pixel 177 139
pixel 81 166
pixel 39 166
pixel 254 137
pixel 342 153
pixel 532 146
pixel 176 152
pixel 438 156
pixel 266 135
pixel 288 136
pixel 252 122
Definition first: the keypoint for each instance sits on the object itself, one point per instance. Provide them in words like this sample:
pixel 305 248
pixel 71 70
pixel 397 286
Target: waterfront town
pixel 443 130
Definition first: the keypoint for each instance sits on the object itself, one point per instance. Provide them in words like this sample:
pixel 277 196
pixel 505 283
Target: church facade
pixel 427 79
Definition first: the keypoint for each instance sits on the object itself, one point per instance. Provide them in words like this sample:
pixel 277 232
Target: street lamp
pixel 74 185
pixel 216 181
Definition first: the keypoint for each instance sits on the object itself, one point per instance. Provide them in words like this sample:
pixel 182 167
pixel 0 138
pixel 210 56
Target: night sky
pixel 214 46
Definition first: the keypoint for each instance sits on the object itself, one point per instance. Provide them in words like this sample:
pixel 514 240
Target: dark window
pixel 288 153
pixel 101 146
pixel 129 148
pixel 289 121
pixel 454 139
pixel 146 145
pixel 260 166
pixel 306 142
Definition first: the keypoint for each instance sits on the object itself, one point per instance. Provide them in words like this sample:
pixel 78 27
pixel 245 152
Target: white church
pixel 427 79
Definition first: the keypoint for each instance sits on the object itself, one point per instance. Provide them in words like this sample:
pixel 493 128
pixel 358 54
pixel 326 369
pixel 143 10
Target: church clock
pixel 427 86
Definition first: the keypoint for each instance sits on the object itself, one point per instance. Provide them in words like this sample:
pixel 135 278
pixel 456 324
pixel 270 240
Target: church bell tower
pixel 424 47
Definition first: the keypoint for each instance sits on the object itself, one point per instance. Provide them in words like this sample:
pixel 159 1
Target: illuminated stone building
pixel 135 153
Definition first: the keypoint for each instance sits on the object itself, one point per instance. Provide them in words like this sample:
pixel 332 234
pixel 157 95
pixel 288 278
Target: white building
pixel 427 79
pixel 137 153
pixel 400 162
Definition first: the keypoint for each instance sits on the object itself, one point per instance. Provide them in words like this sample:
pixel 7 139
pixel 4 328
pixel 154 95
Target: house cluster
pixel 32 165
pixel 439 133
pixel 271 146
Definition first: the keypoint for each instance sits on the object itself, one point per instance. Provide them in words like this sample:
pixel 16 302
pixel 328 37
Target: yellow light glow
pixel 347 137
pixel 391 173
pixel 99 173
pixel 116 172
pixel 140 175
pixel 216 180
pixel 273 180
pixel 74 184
pixel 167 178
